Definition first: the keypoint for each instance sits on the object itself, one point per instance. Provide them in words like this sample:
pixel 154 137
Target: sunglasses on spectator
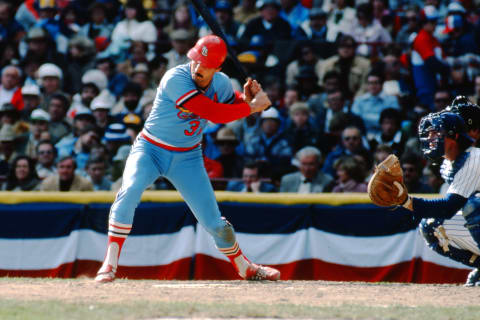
pixel 348 138
pixel 45 152
pixel 226 143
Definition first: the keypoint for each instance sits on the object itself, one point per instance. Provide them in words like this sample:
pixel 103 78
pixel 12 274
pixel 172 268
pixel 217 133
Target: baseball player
pixel 442 235
pixel 169 145
pixel 443 135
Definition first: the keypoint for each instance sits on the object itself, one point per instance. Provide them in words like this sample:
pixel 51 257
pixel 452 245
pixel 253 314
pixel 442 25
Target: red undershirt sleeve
pixel 217 112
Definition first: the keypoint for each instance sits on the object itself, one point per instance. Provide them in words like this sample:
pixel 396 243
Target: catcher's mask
pixel 435 127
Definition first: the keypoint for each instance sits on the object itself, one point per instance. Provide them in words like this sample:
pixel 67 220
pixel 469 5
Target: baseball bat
pixel 215 27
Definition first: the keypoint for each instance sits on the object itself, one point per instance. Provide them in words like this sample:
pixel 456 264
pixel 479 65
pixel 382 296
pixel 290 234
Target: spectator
pixel 231 161
pixel 427 58
pixel 382 151
pixel 341 19
pixel 87 139
pixel 391 133
pixel 335 104
pixel 7 144
pixel 137 53
pixel 331 82
pixel 22 175
pixel 10 29
pixel 27 14
pixel 442 99
pixel 31 99
pixel 290 97
pixel 96 169
pixel 116 80
pixel 42 48
pixel 460 32
pixel 129 102
pixel 309 179
pixel 350 144
pixel 101 106
pixel 141 75
pixel 115 137
pixel 10 86
pixel 300 132
pixel 412 26
pixel 82 120
pixel 433 179
pixel 250 181
pixel 97 26
pixel 307 82
pixel 46 155
pixel 353 69
pixel 157 67
pixel 459 81
pixel 245 11
pixel 181 19
pixel 371 104
pixel 475 98
pixel 30 66
pixel 93 82
pixel 294 12
pixel 118 164
pixel 412 166
pixel 224 13
pixel 369 33
pixel 306 56
pixel 38 131
pixel 271 146
pixel 270 25
pixel 247 128
pixel 66 179
pixel 81 58
pixel 314 28
pixel 398 80
pixel 50 80
pixel 135 26
pixel 57 109
pixel 351 175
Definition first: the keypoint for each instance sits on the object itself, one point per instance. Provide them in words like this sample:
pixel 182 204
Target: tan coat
pixel 358 72
pixel 52 183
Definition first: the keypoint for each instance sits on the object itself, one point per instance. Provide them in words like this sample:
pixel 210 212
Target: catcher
pixel 442 135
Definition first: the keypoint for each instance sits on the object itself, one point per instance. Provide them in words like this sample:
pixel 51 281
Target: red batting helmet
pixel 210 51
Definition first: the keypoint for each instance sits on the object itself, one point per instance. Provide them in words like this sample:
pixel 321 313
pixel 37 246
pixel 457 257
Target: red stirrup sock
pixel 236 257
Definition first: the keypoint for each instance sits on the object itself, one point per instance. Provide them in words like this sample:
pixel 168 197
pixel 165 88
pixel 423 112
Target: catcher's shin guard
pixel 435 238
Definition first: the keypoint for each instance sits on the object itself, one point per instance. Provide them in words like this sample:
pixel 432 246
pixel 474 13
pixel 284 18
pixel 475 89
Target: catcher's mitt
pixel 386 187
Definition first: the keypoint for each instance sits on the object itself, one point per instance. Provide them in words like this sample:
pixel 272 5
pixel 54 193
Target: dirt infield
pixel 295 292
pixel 300 299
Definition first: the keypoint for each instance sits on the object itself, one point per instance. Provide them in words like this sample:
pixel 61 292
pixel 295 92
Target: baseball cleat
pixel 258 272
pixel 105 276
pixel 473 278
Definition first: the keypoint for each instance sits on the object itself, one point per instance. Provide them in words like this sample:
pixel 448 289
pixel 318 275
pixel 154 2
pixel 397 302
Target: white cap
pixel 31 89
pixel 97 77
pixel 102 101
pixel 40 114
pixel 271 113
pixel 456 7
pixel 431 13
pixel 49 70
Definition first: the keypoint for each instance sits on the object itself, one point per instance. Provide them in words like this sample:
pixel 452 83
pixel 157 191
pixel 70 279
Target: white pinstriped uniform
pixel 465 183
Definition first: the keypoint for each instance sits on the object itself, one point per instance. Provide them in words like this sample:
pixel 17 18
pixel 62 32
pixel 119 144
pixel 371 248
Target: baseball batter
pixel 443 135
pixel 169 145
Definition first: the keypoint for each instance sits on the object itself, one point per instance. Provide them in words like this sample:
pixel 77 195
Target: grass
pixel 51 309
pixel 89 306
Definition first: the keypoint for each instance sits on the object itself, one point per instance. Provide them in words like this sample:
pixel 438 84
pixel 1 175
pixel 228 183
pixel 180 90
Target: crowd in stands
pixel 349 81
